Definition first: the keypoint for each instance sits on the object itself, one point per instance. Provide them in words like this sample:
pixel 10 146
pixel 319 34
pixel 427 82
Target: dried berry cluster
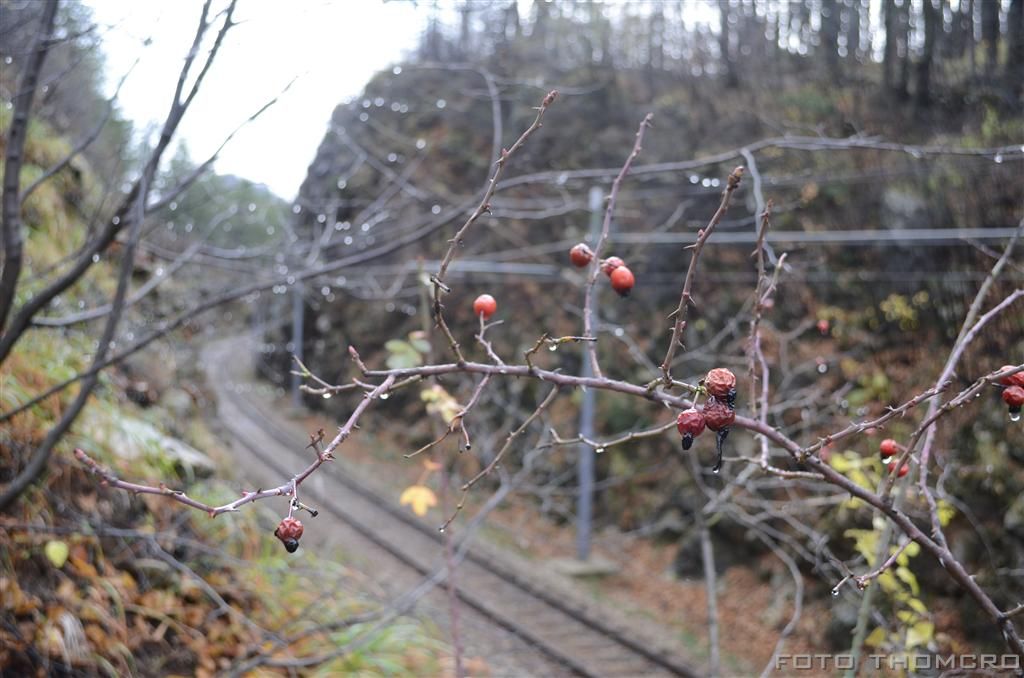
pixel 718 414
pixel 1013 394
pixel 618 273
pixel 289 531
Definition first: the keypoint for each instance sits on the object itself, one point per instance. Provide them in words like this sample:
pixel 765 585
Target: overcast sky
pixel 335 47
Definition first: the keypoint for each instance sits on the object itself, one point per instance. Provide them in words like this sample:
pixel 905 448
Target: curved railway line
pixel 574 637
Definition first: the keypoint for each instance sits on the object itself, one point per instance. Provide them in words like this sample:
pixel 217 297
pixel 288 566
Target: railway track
pixel 575 637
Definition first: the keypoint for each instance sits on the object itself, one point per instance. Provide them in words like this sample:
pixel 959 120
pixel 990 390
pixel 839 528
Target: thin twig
pixel 595 264
pixel 484 207
pixel 686 298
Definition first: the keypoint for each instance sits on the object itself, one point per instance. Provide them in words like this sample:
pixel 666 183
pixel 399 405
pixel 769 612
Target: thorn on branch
pixel 440 285
pixel 357 360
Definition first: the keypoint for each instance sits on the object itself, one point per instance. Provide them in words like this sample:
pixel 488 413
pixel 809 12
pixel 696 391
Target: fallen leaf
pixel 57 552
pixel 420 498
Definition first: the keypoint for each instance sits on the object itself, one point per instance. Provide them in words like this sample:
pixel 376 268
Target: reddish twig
pixel 484 207
pixel 457 422
pixel 863 580
pixel 686 298
pixel 466 487
pixel 288 488
pixel 595 264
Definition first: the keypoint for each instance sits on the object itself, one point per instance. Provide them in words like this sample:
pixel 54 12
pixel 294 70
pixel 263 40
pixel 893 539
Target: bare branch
pixel 41 455
pixel 482 208
pixel 13 238
pixel 685 299
pixel 595 264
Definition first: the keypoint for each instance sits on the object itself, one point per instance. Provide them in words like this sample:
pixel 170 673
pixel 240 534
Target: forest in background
pixel 859 323
pixel 867 102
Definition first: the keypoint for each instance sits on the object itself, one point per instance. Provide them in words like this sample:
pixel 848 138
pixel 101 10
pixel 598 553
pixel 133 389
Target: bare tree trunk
pixel 830 26
pixel 889 53
pixel 853 33
pixel 971 49
pixel 1015 41
pixel 13 238
pixel 83 259
pixel 904 49
pixel 924 67
pixel 41 456
pixel 990 34
pixel 726 56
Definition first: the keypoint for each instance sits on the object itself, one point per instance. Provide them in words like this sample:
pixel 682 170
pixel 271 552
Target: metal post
pixel 585 460
pixel 298 313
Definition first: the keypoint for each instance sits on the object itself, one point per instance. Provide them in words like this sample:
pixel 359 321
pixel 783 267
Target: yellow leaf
pixel 888 582
pixel 946 512
pixel 866 542
pixel 440 402
pixel 908 578
pixel 57 552
pixel 920 633
pixel 420 498
pixel 876 638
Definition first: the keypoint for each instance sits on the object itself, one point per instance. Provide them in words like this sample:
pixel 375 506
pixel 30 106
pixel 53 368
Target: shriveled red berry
pixel 888 448
pixel 904 470
pixel 289 531
pixel 1012 380
pixel 1013 396
pixel 580 255
pixel 720 382
pixel 610 264
pixel 623 281
pixel 486 305
pixel 690 424
pixel 718 415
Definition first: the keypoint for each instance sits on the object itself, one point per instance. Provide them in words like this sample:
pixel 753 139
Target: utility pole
pixel 585 458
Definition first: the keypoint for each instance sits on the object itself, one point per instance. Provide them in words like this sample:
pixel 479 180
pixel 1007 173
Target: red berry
pixel 1012 380
pixel 610 264
pixel 580 255
pixel 690 424
pixel 289 531
pixel 904 470
pixel 888 448
pixel 720 383
pixel 718 415
pixel 1014 397
pixel 486 305
pixel 823 327
pixel 623 281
